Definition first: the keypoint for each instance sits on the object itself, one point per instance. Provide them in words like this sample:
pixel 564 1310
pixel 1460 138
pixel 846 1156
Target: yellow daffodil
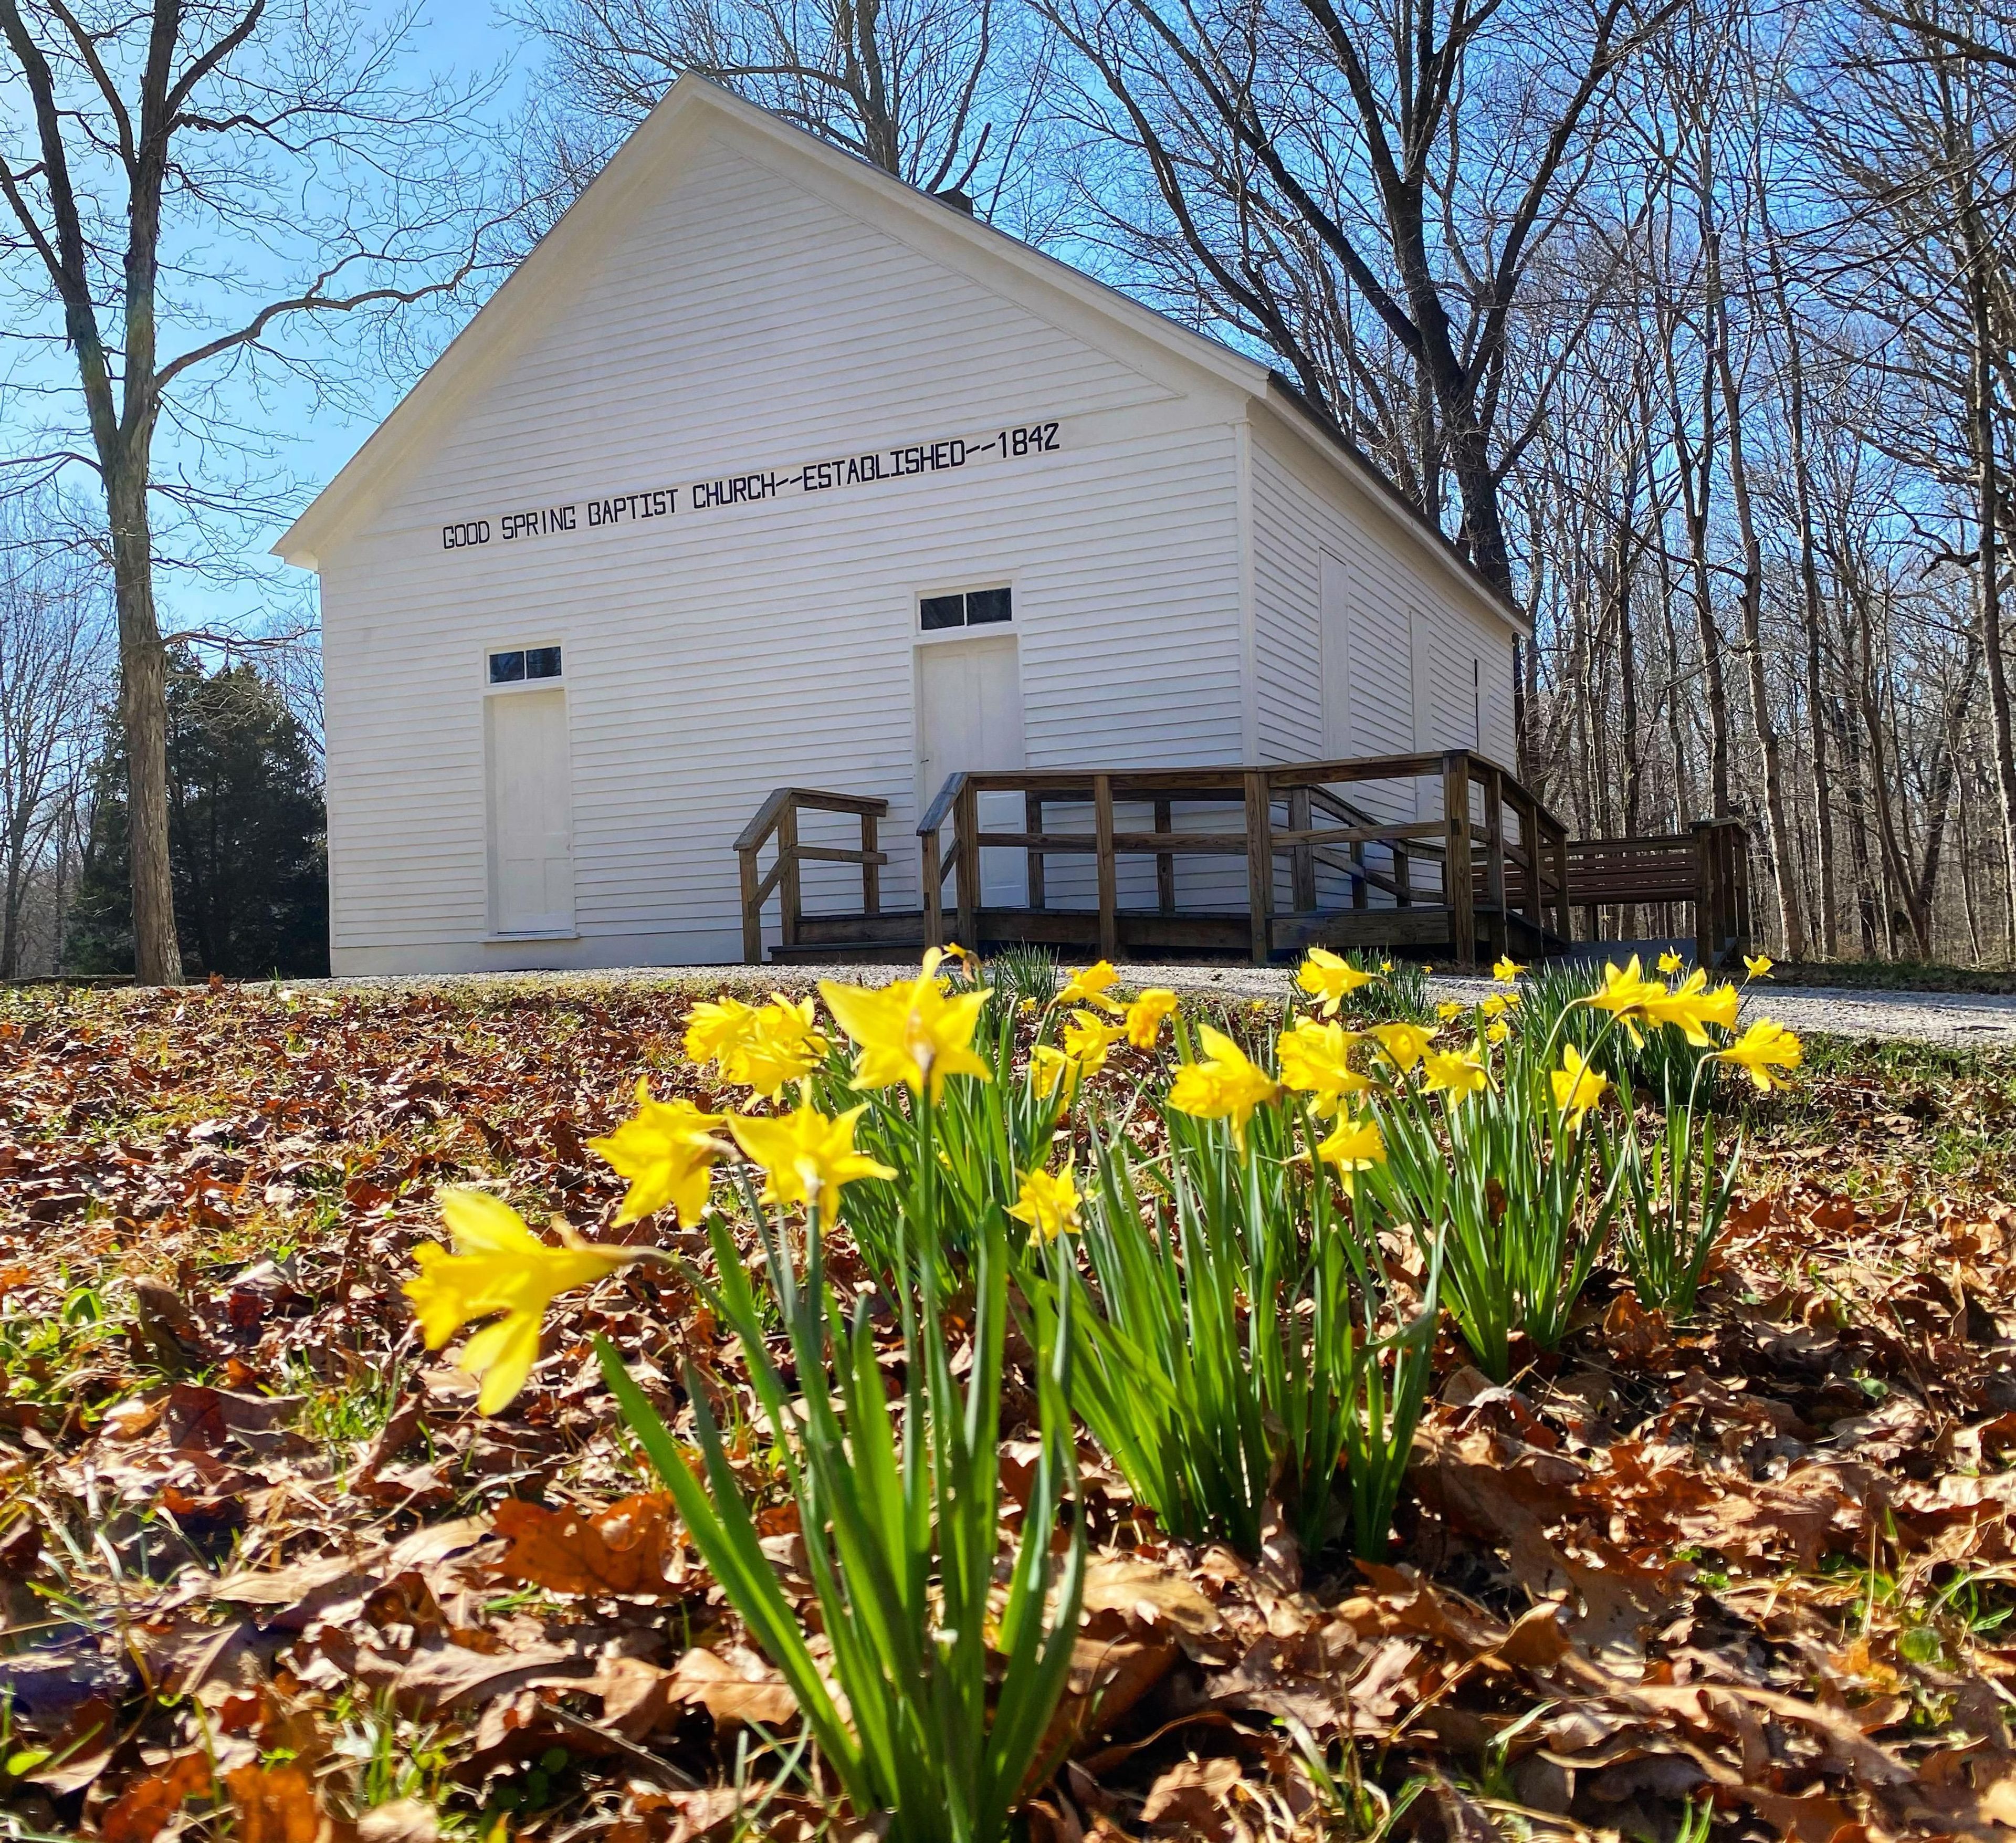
pixel 1507 971
pixel 666 1149
pixel 1497 1032
pixel 1225 1085
pixel 1328 979
pixel 1690 1006
pixel 1405 1044
pixel 1087 1039
pixel 1449 1010
pixel 806 1157
pixel 1048 1065
pixel 1624 994
pixel 1049 1203
pixel 1094 986
pixel 716 1028
pixel 499 1266
pixel 1387 967
pixel 1577 1087
pixel 785 1046
pixel 1757 966
pixel 1495 1005
pixel 1765 1046
pixel 1145 1016
pixel 1670 962
pixel 1356 1144
pixel 913 1031
pixel 1316 1060
pixel 1455 1075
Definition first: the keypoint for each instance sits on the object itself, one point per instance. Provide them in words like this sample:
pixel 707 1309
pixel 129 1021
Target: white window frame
pixel 513 686
pixel 973 585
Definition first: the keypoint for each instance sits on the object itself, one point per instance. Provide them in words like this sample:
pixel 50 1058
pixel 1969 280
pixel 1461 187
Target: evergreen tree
pixel 245 844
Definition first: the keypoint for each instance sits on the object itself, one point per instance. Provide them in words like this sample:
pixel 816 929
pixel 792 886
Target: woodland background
pixel 1695 323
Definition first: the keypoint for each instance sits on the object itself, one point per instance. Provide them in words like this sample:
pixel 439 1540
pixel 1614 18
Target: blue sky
pixel 314 436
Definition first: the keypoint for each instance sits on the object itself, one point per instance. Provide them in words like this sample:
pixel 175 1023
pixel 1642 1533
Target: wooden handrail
pixel 778 817
pixel 1454 842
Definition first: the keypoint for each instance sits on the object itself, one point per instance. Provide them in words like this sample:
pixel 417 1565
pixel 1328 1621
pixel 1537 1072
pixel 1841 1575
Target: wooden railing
pixel 778 818
pixel 1706 866
pixel 1481 870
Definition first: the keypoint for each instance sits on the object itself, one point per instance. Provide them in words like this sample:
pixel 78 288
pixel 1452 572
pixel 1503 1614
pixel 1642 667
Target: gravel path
pixel 1959 1020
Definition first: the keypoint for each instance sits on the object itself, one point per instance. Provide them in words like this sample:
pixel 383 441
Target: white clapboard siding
pixel 743 323
pixel 1302 508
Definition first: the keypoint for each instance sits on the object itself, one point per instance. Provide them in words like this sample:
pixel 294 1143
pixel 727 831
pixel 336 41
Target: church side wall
pixel 1424 668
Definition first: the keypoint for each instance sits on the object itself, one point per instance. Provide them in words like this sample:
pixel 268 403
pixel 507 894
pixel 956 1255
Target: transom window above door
pixel 522 663
pixel 977 607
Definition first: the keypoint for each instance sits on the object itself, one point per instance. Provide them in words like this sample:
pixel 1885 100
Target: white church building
pixel 764 470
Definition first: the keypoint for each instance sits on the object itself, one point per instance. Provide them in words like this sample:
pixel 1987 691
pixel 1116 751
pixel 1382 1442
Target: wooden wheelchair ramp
pixel 1442 856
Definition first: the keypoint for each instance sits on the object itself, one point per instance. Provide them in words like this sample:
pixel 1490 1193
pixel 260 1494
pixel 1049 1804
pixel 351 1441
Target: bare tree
pixel 55 670
pixel 1341 181
pixel 942 93
pixel 135 143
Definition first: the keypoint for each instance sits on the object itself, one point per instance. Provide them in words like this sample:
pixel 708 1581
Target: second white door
pixel 970 721
pixel 531 814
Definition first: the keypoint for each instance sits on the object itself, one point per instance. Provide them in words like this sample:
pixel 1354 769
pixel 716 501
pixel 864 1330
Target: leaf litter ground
pixel 267 1574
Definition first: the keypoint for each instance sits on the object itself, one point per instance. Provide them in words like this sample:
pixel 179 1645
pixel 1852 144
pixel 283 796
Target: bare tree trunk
pixel 1987 514
pixel 1777 831
pixel 158 958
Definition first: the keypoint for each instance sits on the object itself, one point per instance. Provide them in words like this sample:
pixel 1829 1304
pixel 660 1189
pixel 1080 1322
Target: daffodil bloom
pixel 1765 1046
pixel 1048 1065
pixel 1670 962
pixel 784 1046
pixel 666 1149
pixel 1356 1144
pixel 1145 1016
pixel 1497 1004
pixel 1690 1006
pixel 1624 994
pixel 1225 1085
pixel 1757 966
pixel 1049 1203
pixel 913 1031
pixel 1405 1044
pixel 1577 1087
pixel 1449 1010
pixel 1094 986
pixel 715 1029
pixel 1497 1032
pixel 1328 979
pixel 1507 971
pixel 499 1266
pixel 1387 967
pixel 1086 1039
pixel 805 1156
pixel 1454 1075
pixel 1316 1060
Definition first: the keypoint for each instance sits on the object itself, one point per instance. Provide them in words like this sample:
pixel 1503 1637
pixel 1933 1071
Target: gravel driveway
pixel 1957 1019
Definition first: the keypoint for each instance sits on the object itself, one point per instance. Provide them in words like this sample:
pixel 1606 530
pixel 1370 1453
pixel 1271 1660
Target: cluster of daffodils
pixel 1320 1060
pixel 919 1034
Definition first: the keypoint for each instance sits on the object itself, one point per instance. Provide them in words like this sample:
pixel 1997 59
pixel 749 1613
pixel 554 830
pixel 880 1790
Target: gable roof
pixel 653 152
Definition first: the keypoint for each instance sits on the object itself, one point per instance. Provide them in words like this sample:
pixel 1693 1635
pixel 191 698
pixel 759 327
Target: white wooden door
pixel 531 814
pixel 1336 659
pixel 969 720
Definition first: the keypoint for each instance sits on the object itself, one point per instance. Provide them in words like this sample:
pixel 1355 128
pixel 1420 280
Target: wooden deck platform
pixel 1322 856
